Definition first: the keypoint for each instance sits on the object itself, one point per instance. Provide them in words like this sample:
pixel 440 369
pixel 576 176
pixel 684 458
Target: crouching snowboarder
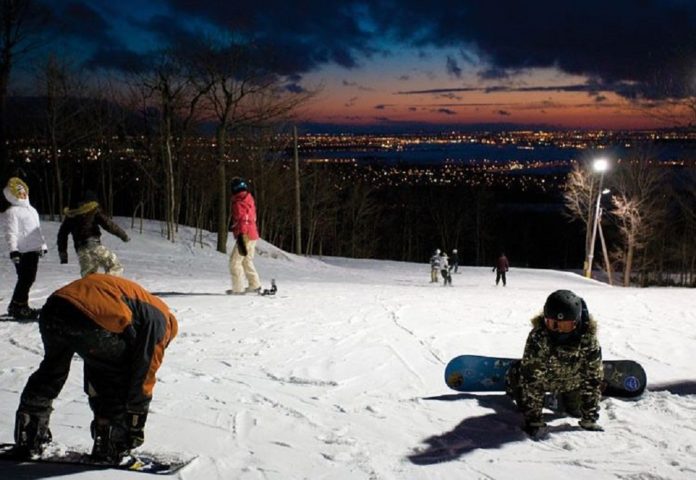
pixel 562 356
pixel 120 331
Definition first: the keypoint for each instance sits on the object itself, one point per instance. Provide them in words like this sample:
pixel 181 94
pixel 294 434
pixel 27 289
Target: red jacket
pixel 243 215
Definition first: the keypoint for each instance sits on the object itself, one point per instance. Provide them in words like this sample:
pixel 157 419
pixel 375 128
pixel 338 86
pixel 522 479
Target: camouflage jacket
pixel 550 367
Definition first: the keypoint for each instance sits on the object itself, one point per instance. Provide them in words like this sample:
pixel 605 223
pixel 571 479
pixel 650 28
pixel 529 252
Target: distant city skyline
pixel 390 64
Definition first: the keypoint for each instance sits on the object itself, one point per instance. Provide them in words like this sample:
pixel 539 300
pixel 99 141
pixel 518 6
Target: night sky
pixel 553 63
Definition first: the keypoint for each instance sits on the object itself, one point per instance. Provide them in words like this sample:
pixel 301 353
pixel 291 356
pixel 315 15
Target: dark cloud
pixel 118 58
pixel 453 68
pixel 634 47
pixel 380 107
pixel 503 113
pixel 446 111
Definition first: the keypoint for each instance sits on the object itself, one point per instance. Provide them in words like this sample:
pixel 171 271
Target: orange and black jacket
pixel 124 307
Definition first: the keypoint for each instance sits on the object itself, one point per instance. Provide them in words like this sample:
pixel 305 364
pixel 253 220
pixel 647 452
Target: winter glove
pixel 126 239
pixel 590 425
pixel 241 245
pixel 63 257
pixel 15 256
pixel 533 428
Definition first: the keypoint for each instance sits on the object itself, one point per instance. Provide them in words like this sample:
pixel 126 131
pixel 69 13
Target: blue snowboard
pixel 475 373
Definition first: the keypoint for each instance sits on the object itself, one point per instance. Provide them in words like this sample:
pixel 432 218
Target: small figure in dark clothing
pixel 454 261
pixel 83 223
pixel 501 267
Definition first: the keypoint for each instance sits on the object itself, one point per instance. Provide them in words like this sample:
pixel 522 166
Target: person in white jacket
pixel 26 244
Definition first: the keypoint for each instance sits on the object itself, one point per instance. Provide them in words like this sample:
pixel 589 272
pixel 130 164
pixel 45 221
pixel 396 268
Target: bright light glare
pixel 600 165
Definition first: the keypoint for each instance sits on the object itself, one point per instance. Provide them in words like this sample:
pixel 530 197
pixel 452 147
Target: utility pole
pixel 298 205
pixel 607 263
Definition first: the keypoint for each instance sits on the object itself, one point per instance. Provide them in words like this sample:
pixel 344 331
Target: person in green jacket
pixel 562 356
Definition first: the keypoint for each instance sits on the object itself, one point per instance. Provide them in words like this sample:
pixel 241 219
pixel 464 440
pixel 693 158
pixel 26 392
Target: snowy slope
pixel 340 376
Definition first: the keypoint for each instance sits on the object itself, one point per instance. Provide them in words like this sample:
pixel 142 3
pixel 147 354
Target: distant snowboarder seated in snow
pixel 562 356
pixel 435 266
pixel 243 218
pixel 83 223
pixel 120 331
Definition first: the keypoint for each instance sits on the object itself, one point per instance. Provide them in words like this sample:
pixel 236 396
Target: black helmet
pixel 238 185
pixel 563 305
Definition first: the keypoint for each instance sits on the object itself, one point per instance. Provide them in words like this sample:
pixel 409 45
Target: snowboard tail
pixel 475 373
pixel 135 462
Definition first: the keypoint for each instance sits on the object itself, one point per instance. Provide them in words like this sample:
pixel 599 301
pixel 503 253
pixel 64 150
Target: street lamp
pixel 600 165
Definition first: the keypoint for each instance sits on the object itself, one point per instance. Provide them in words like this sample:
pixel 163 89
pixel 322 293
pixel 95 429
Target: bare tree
pixel 579 195
pixel 245 93
pixel 638 201
pixel 19 21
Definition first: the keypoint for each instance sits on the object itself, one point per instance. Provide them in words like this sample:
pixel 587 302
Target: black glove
pixel 15 256
pixel 63 257
pixel 241 245
pixel 126 238
pixel 534 428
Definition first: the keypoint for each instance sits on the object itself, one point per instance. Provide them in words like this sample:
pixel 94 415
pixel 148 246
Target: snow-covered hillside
pixel 340 375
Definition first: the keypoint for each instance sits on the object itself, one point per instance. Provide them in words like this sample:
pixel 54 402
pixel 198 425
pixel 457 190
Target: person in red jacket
pixel 243 219
pixel 121 331
pixel 501 267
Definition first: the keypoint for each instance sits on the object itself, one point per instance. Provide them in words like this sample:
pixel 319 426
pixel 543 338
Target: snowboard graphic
pixel 475 373
pixel 137 462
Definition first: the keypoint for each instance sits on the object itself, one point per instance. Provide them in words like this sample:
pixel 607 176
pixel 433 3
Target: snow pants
pixel 65 330
pixel 95 255
pixel 26 275
pixel 243 266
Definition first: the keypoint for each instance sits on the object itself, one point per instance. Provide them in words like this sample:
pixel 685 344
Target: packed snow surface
pixel 340 375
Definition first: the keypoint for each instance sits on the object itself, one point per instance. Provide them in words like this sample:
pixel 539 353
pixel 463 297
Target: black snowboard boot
pixel 110 440
pixel 22 311
pixel 31 432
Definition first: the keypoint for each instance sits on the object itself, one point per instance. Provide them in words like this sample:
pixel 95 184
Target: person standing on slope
pixel 562 356
pixel 83 223
pixel 501 267
pixel 26 244
pixel 435 266
pixel 120 331
pixel 243 219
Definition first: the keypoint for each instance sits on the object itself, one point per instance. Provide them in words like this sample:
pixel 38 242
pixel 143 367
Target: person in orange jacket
pixel 121 331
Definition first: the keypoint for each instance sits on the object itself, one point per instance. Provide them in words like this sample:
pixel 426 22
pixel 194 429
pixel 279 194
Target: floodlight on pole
pixel 600 165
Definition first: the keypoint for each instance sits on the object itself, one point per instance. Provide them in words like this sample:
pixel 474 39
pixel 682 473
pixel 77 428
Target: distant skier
pixel 562 356
pixel 454 261
pixel 243 218
pixel 26 244
pixel 120 331
pixel 435 266
pixel 501 267
pixel 445 270
pixel 83 223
